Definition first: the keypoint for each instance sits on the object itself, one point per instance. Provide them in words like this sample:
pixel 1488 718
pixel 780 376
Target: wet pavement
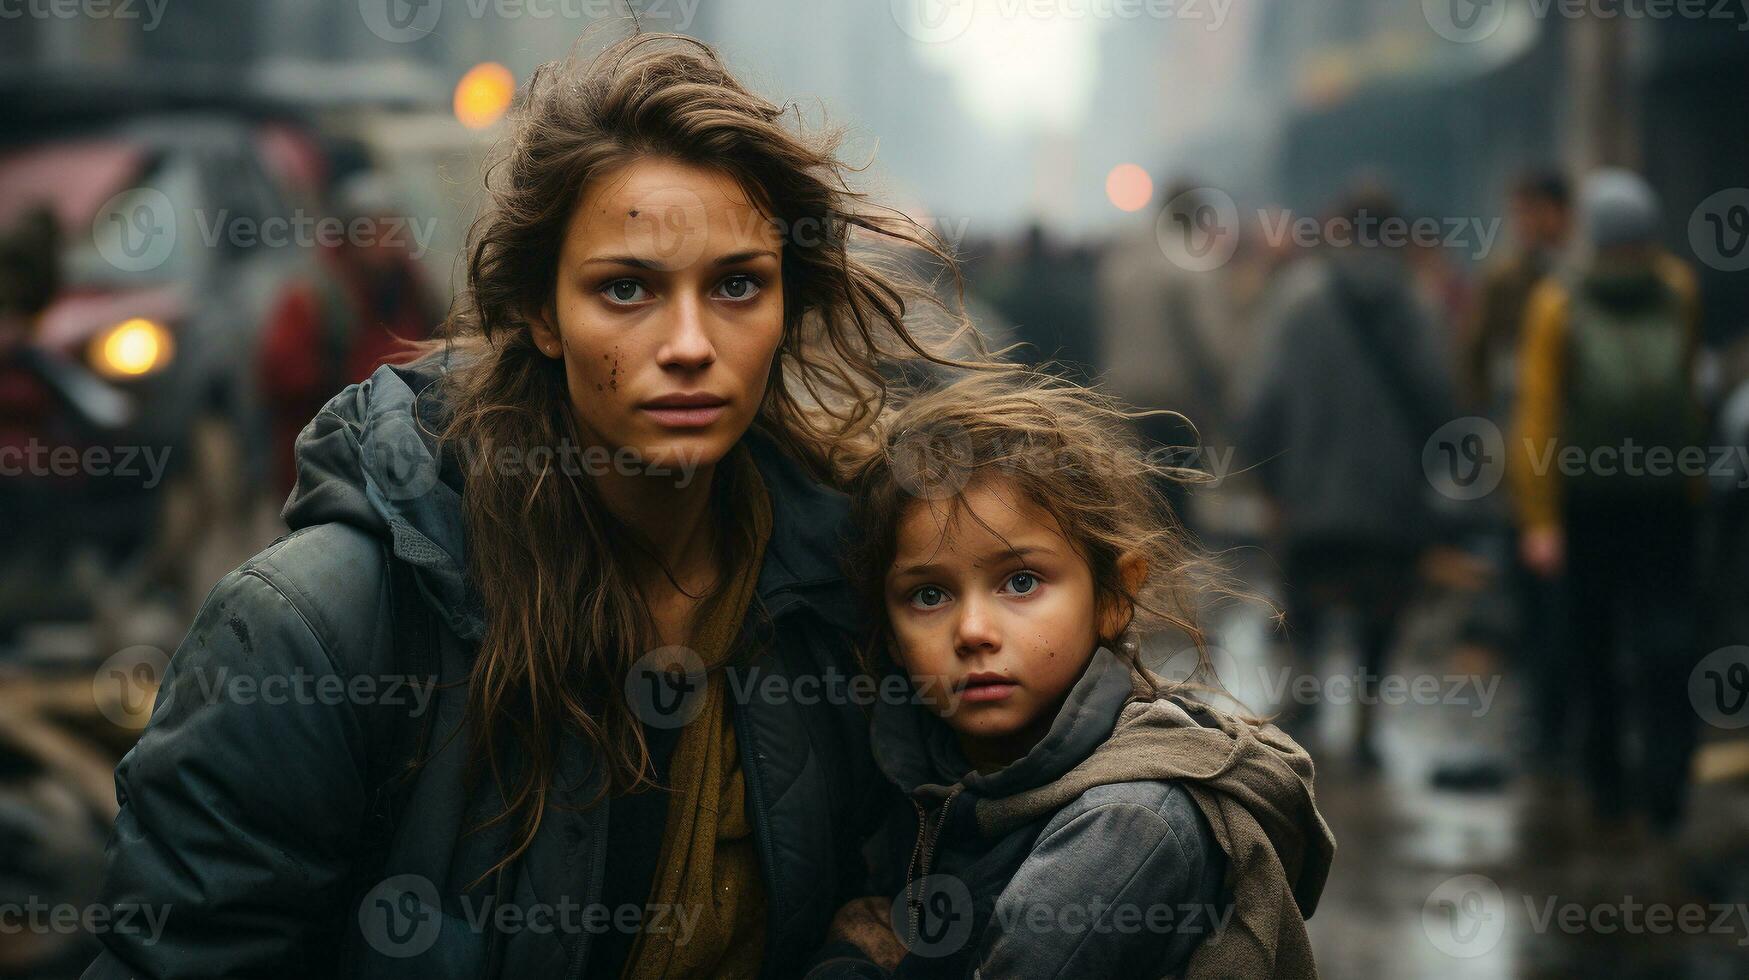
pixel 1513 880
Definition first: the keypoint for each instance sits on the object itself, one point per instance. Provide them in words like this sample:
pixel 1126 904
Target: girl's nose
pixel 976 630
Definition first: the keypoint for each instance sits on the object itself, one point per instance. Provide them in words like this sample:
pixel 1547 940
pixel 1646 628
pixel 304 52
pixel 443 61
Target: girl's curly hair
pixel 1072 451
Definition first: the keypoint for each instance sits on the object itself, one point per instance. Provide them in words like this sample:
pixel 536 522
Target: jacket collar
pixel 918 754
pixel 809 530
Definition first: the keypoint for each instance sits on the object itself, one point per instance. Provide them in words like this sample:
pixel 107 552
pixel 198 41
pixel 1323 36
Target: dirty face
pixel 993 612
pixel 667 312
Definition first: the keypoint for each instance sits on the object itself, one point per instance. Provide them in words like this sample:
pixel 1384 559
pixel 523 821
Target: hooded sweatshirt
pixel 1141 837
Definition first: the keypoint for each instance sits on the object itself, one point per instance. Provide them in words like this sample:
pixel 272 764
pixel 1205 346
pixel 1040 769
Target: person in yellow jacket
pixel 1604 463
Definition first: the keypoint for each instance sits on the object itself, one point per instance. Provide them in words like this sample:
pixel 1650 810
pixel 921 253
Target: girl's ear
pixel 1132 569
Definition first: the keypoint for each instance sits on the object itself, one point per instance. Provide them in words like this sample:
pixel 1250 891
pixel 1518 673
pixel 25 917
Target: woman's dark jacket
pixel 250 824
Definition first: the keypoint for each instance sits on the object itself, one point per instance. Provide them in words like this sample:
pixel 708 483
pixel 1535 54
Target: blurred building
pixel 1448 114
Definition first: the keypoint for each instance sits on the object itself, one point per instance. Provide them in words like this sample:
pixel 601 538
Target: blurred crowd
pixel 1540 434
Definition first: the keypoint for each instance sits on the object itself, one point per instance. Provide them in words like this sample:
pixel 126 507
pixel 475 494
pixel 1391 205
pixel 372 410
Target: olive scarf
pixel 707 874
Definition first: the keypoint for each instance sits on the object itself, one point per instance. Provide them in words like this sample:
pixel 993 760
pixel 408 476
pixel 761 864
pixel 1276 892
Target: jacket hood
pixel 370 459
pixel 1245 777
pixel 917 751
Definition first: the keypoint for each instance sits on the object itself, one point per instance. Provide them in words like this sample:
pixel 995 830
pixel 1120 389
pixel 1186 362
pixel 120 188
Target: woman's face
pixel 667 312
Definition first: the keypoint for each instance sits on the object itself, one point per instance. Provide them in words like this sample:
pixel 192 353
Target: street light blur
pixel 483 95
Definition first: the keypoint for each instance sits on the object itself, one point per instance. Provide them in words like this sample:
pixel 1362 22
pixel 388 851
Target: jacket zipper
pixel 923 855
pixel 755 780
pixel 579 953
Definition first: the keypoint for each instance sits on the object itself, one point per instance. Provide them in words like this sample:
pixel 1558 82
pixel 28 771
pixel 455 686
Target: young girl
pixel 1070 815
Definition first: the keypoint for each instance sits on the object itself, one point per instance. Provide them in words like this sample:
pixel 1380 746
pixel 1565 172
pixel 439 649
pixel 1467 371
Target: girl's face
pixel 993 611
pixel 667 313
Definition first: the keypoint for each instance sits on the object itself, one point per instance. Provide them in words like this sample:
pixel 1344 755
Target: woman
pixel 609 473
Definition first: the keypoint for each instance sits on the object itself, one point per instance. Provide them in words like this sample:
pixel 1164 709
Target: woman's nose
pixel 688 344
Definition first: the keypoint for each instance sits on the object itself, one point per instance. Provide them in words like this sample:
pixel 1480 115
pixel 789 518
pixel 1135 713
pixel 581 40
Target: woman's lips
pixel 689 410
pixel 685 418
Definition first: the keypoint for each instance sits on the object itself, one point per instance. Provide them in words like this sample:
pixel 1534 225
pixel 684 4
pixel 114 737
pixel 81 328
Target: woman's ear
pixel 543 328
pixel 1132 570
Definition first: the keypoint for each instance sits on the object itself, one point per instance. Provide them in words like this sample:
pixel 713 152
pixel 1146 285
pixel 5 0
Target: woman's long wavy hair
pixel 564 619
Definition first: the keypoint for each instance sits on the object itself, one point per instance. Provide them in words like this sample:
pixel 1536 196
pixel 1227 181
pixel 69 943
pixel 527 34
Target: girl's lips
pixel 988 692
pixel 685 417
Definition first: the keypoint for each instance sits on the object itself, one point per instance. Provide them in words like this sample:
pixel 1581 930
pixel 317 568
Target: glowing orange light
pixel 483 95
pixel 132 348
pixel 1129 187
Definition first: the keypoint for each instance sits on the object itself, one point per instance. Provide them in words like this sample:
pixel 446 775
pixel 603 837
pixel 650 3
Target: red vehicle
pixel 129 411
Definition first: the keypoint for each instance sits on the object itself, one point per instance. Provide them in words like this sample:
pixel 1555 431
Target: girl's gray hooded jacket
pixel 248 819
pixel 1143 836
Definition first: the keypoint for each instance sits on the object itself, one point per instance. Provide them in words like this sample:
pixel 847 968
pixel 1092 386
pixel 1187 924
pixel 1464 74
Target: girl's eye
pixel 740 288
pixel 625 291
pixel 1022 583
pixel 928 597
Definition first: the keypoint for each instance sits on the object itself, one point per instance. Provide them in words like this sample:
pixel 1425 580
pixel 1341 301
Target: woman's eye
pixel 739 287
pixel 625 291
pixel 928 597
pixel 1022 583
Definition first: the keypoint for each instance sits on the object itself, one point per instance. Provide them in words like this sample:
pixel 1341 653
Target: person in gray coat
pixel 1356 380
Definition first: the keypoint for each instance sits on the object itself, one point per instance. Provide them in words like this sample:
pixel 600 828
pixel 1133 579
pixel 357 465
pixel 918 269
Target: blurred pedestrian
pixel 1043 290
pixel 1166 333
pixel 1540 208
pixel 1355 382
pixel 364 300
pixel 1606 389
